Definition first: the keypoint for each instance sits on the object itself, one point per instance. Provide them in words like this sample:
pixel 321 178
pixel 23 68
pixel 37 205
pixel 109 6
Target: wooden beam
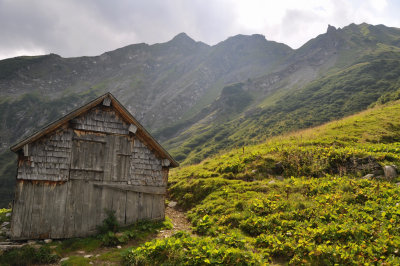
pixel 107 101
pixel 132 128
pixel 166 162
pixel 26 149
pixel 141 189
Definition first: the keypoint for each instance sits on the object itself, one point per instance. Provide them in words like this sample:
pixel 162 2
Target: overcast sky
pixel 90 27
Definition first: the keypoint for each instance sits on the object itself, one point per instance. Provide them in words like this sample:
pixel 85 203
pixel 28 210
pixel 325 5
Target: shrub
pixel 28 255
pixel 110 223
pixel 182 249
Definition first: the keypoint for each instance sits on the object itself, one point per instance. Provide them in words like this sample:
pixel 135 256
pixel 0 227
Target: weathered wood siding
pixel 70 177
pixel 75 208
pixel 101 119
pixel 146 169
pixel 47 158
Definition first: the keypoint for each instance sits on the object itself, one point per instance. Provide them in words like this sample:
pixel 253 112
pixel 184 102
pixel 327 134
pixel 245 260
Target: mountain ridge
pixel 198 99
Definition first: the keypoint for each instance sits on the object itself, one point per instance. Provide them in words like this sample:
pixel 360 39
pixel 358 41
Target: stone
pixel 8 214
pixel 64 259
pixel 390 172
pixel 272 182
pixel 31 242
pixel 5 224
pixel 81 252
pixel 368 176
pixel 278 168
pixel 172 204
pixel 119 247
pixel 88 256
pixel 47 241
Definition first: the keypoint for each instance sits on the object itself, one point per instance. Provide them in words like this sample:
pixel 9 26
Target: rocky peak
pixel 182 38
pixel 330 29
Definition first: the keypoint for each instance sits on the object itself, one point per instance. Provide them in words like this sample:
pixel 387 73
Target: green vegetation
pixel 9 67
pixel 334 96
pixel 298 199
pixel 182 249
pixel 8 173
pixel 49 253
pixel 3 215
pixel 28 255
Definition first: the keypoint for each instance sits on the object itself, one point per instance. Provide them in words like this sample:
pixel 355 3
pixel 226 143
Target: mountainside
pixel 320 196
pixel 199 99
pixel 334 75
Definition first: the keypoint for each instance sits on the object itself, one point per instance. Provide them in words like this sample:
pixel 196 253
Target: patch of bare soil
pixel 179 221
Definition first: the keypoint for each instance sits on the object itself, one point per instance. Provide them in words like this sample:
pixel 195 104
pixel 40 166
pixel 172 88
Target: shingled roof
pixel 141 131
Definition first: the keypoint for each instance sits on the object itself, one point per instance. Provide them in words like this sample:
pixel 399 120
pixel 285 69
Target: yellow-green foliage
pixel 3 215
pixel 375 132
pixel 183 249
pixel 296 197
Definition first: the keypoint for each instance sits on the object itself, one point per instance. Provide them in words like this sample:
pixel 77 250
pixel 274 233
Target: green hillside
pixel 334 75
pixel 298 198
pixel 345 92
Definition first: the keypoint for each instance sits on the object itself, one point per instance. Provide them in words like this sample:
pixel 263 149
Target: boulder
pixel 278 168
pixel 5 224
pixel 31 242
pixel 368 176
pixel 172 204
pixel 64 259
pixel 390 172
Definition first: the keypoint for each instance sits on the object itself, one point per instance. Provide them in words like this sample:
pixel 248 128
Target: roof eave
pixel 122 110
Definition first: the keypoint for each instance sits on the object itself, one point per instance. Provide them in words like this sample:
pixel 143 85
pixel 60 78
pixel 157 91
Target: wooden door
pixel 87 161
pixel 117 159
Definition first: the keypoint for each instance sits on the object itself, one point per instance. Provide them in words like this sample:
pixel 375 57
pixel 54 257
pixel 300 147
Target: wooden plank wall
pixel 75 208
pixel 70 178
pixel 39 210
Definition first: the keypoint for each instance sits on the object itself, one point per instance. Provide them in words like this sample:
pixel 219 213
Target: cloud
pixel 91 27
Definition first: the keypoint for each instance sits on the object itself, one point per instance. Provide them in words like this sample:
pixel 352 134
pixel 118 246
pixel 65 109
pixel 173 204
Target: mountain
pixel 199 99
pixel 334 75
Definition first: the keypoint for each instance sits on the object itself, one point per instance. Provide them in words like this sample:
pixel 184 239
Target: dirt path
pixel 179 221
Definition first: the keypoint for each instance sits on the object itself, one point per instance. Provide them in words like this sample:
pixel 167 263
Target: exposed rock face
pixel 367 165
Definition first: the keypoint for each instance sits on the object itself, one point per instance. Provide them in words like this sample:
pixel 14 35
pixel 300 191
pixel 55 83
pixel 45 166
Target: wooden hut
pixel 96 158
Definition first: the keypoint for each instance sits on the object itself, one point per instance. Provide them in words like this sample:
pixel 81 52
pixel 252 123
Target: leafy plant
pixel 109 224
pixel 28 255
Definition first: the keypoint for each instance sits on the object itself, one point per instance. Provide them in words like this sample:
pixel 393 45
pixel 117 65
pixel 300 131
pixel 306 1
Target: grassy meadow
pixel 297 199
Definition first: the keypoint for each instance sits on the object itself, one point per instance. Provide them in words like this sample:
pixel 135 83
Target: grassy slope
pixel 320 213
pixel 334 96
